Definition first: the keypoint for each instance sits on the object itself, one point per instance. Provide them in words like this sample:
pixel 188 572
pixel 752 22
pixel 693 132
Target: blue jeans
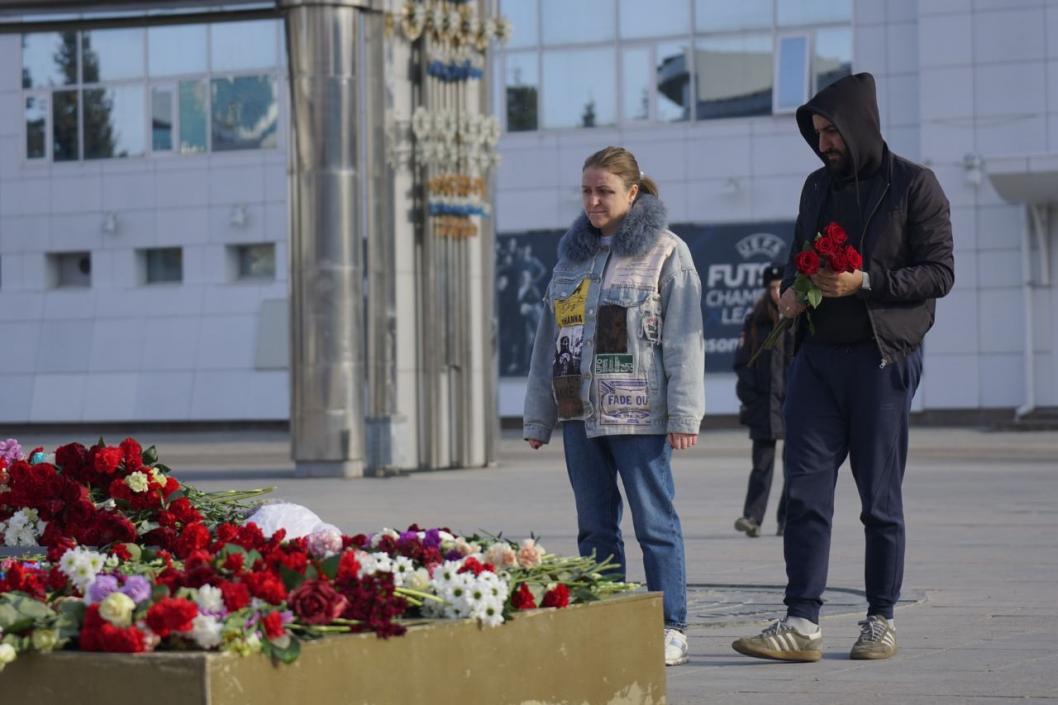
pixel 643 461
pixel 840 403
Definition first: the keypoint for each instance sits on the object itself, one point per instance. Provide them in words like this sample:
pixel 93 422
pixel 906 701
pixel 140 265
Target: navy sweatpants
pixel 840 402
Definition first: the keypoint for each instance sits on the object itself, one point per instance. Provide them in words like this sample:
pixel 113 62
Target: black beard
pixel 839 167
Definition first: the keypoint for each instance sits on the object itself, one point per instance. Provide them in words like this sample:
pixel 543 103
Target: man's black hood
pixel 852 106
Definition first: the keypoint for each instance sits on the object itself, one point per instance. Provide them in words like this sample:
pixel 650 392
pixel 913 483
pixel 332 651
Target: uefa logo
pixel 760 245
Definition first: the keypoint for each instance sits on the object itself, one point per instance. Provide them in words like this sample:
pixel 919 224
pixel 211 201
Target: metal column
pixel 329 71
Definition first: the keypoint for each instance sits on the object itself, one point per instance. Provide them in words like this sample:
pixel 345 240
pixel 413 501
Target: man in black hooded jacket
pixel 852 380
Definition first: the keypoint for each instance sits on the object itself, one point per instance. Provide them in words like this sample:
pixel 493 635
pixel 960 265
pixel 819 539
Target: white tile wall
pixel 1002 380
pixel 999 89
pixel 169 343
pixel 718 158
pixel 164 395
pixel 999 227
pixel 236 185
pixel 901 10
pixel 953 332
pixel 20 346
pixel 902 44
pixel 26 197
pixel 17 400
pixel 950 381
pixel 181 187
pixel 999 268
pixel 1010 35
pixel 110 396
pixel 10 113
pixel 226 342
pixel 869 12
pixel 1001 326
pixel 1052 30
pixel 957 47
pixel 129 191
pixel 115 344
pixel 57 397
pixel 946 93
pixel 10 51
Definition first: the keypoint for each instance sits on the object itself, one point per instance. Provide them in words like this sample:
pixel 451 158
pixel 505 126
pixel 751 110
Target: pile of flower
pixel 136 561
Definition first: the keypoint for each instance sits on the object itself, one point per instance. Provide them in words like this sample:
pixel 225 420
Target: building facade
pixel 143 186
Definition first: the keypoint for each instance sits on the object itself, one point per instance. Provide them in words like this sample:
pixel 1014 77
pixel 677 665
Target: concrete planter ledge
pixel 603 653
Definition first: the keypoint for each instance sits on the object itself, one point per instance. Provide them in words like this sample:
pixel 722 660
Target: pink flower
pixel 501 555
pixel 530 553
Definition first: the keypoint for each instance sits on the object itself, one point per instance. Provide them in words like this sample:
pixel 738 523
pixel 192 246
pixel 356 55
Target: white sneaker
pixel 675 647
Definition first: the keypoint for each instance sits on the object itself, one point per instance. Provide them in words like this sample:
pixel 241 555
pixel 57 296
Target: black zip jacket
pixel 761 387
pixel 905 232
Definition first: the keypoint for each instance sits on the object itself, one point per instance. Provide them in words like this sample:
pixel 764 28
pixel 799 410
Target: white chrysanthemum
pixel 23 528
pixel 377 538
pixel 210 599
pixel 418 580
pixel 366 561
pixel 7 655
pixel 157 476
pixel 383 563
pixel 81 566
pixel 489 612
pixel 138 481
pixel 112 561
pixel 403 570
pixel 206 631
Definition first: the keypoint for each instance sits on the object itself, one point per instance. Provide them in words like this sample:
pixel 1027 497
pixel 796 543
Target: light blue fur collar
pixel 638 232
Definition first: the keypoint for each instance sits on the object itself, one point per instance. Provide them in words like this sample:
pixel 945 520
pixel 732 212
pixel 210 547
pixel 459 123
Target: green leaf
pixel 290 654
pixel 159 592
pixel 8 615
pixel 291 578
pixel 150 456
pixel 815 297
pixel 329 566
pixel 802 285
pixel 71 615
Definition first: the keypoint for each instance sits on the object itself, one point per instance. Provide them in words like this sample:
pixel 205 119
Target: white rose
pixel 138 482
pixel 117 609
pixel 7 655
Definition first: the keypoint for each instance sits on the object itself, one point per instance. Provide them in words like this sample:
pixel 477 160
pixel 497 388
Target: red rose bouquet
pixel 829 250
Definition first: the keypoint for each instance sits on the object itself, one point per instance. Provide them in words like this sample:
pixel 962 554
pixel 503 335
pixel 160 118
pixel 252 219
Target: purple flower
pixel 453 555
pixel 138 588
pixel 408 537
pixel 432 538
pixel 10 450
pixel 102 586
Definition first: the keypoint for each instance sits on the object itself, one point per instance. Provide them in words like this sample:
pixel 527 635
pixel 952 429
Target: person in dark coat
pixel 761 390
pixel 856 368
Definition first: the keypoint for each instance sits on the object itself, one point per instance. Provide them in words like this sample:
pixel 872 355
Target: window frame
pixel 807 79
pixel 274 73
pixel 619 43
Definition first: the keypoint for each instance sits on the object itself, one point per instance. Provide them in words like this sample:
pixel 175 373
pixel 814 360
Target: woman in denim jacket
pixel 619 356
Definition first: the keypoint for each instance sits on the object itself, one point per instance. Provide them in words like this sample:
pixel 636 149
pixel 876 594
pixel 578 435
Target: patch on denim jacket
pixel 624 402
pixel 613 364
pixel 567 394
pixel 611 331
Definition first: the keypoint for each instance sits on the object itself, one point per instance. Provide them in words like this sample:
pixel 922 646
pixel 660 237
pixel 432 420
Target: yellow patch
pixel 569 312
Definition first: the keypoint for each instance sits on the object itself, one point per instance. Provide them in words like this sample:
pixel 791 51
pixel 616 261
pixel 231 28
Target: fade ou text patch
pixel 624 402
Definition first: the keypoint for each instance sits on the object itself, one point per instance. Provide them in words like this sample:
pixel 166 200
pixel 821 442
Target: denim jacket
pixel 620 344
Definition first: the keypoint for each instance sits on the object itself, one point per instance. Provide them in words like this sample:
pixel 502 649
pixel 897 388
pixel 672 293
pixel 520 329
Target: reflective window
pixel 524 25
pixel 635 83
pixel 113 122
pixel 734 76
pixel 64 116
pixel 244 113
pixel 163 265
pixel 522 91
pixel 69 270
pixel 161 120
pixel 578 88
pixel 656 18
pixel 807 12
pixel 36 127
pixel 175 50
pixel 833 56
pixel 193 117
pixel 49 59
pixel 713 16
pixel 579 22
pixel 256 261
pixel 111 54
pixel 673 72
pixel 792 88
pixel 238 46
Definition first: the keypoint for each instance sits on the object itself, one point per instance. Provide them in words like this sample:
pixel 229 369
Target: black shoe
pixel 749 526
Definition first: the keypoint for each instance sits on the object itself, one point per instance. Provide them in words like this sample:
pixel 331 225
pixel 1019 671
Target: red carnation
pixel 807 262
pixel 132 454
pixel 266 586
pixel 472 565
pixel 171 614
pixel 194 537
pixel 523 599
pixel 97 634
pixel 236 596
pixel 557 596
pixel 835 232
pixel 273 625
pixel 107 460
pixel 348 566
pixel 316 602
pixel 234 562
